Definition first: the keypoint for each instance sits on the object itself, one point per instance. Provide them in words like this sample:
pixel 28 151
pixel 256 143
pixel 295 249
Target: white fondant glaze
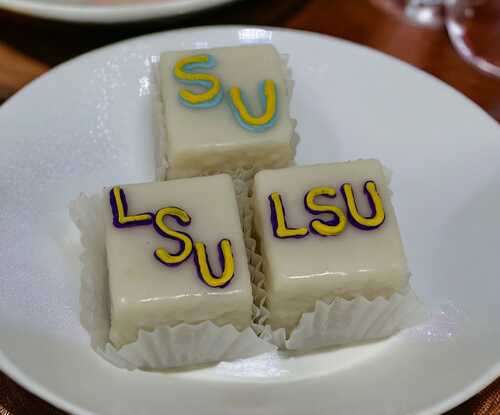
pixel 353 263
pixel 146 294
pixel 201 141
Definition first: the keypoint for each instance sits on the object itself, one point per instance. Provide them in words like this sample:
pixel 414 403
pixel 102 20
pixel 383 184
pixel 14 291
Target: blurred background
pixel 458 41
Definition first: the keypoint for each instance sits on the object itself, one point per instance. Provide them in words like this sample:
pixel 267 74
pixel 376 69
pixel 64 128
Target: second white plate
pixel 108 11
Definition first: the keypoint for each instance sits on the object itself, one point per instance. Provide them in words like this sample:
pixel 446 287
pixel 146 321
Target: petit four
pixel 175 254
pixel 225 109
pixel 326 231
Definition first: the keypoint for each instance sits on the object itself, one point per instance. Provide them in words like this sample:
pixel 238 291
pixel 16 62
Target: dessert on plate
pixel 326 233
pixel 175 273
pixel 223 109
pixel 175 254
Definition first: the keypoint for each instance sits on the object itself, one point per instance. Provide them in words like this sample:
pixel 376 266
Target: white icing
pixel 147 294
pixel 355 263
pixel 200 141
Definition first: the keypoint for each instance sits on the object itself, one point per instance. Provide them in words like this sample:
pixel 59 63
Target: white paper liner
pixel 350 321
pixel 338 323
pixel 243 183
pixel 165 347
pixel 160 133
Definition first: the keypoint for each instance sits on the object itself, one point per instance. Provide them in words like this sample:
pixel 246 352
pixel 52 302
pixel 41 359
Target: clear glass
pixel 425 12
pixel 473 26
pixel 474 29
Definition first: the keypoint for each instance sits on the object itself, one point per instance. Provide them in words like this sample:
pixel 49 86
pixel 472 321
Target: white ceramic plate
pixel 87 124
pixel 107 11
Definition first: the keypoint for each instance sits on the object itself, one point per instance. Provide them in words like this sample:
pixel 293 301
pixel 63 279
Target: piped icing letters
pixel 324 228
pixel 268 96
pixel 226 260
pixel 119 207
pixel 185 72
pixel 377 216
pixel 185 241
pixel 278 220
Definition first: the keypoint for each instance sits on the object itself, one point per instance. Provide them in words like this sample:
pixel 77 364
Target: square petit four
pixel 224 109
pixel 175 254
pixel 326 231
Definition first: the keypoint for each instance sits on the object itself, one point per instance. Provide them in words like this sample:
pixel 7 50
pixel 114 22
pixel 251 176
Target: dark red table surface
pixel 29 47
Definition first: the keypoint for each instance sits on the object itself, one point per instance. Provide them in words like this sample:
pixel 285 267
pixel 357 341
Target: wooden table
pixel 30 47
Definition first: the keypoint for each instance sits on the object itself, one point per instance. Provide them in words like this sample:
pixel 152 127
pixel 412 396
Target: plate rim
pixel 23 379
pixel 37 389
pixel 109 13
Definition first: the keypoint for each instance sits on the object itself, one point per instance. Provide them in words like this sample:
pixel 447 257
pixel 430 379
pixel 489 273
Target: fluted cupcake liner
pixel 165 347
pixel 338 323
pixel 345 322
